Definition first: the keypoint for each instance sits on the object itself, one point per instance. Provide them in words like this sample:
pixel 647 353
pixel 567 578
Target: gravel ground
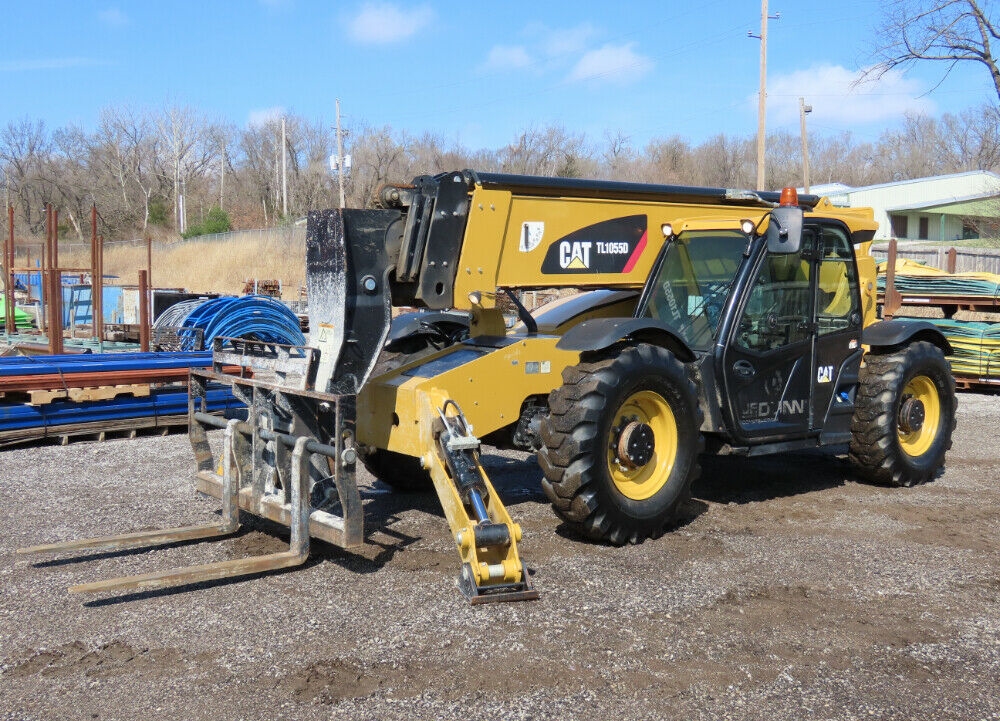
pixel 790 592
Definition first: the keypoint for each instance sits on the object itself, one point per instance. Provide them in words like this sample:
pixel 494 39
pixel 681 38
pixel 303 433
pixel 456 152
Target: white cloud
pixel 381 23
pixel 18 66
pixel 113 17
pixel 507 57
pixel 611 63
pixel 263 116
pixel 568 41
pixel 557 43
pixel 835 99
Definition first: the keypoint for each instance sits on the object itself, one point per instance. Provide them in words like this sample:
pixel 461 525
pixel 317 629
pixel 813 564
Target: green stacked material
pixel 913 278
pixel 21 319
pixel 976 347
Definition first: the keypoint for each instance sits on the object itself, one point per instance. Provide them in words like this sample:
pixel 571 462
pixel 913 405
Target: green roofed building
pixel 943 207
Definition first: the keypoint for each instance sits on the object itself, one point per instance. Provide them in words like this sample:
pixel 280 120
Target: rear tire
pixel 621 444
pixel 904 417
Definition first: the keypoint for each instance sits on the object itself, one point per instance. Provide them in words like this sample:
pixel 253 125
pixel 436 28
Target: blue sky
pixel 471 72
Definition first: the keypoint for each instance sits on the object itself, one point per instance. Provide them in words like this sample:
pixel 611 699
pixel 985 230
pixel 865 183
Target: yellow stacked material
pixel 976 347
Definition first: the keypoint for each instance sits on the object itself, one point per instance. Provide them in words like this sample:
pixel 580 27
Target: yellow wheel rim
pixel 642 482
pixel 917 442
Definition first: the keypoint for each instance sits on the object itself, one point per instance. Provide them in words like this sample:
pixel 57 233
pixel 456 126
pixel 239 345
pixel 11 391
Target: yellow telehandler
pixel 707 321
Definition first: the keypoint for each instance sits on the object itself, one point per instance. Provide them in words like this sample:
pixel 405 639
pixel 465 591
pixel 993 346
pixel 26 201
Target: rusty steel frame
pixel 8 264
pixel 52 281
pixel 143 313
pixel 51 276
pixel 96 277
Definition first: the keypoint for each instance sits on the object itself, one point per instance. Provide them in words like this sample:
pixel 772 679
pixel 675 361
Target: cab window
pixel 837 297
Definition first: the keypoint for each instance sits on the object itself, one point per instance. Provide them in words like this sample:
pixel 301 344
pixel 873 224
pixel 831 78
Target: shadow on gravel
pixel 516 480
pixel 687 513
pixel 733 479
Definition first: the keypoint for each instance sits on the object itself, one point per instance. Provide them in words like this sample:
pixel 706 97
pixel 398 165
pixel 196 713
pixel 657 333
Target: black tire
pixel 888 446
pixel 402 472
pixel 582 434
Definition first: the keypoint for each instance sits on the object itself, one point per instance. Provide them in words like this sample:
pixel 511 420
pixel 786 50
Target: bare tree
pixel 187 148
pixel 839 159
pixel 549 151
pixel 24 147
pixel 131 162
pixel 259 146
pixel 948 31
pixel 125 146
pixel 309 149
pixel 725 162
pixel 378 157
pixel 669 160
pixel 784 160
pixel 972 139
pixel 618 157
pixel 431 154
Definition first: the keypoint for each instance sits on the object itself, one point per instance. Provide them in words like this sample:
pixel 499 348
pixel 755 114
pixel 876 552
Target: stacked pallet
pixel 976 345
pixel 914 278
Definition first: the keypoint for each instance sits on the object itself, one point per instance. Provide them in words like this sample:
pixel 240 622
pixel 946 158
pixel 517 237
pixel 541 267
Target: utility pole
pixel 762 100
pixel 803 110
pixel 284 173
pixel 222 176
pixel 340 156
pixel 183 206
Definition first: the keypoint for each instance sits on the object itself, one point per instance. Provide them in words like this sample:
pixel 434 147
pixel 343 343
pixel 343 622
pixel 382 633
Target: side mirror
pixel 784 231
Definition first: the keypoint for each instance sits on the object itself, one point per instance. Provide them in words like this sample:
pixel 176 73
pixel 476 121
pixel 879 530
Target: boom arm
pixel 467 231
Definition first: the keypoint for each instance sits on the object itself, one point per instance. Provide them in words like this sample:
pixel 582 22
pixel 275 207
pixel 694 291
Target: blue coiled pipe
pixel 255 317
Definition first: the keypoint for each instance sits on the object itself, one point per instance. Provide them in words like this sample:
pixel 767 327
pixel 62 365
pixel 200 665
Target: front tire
pixel 904 417
pixel 621 444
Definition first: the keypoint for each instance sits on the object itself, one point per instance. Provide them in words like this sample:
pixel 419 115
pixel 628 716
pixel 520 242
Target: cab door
pixel 768 357
pixel 837 355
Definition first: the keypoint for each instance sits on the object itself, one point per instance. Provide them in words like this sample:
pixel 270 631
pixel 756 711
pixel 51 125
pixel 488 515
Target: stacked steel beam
pixel 164 406
pixel 88 370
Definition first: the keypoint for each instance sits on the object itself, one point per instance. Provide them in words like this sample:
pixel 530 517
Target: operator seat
pixel 835 285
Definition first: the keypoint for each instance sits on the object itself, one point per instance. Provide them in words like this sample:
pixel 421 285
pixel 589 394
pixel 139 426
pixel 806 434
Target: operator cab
pixel 774 316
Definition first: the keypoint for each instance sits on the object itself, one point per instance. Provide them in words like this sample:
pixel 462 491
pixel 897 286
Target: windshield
pixel 693 283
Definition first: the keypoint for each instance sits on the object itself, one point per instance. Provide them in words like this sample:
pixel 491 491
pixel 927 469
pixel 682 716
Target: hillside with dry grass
pixel 220 264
